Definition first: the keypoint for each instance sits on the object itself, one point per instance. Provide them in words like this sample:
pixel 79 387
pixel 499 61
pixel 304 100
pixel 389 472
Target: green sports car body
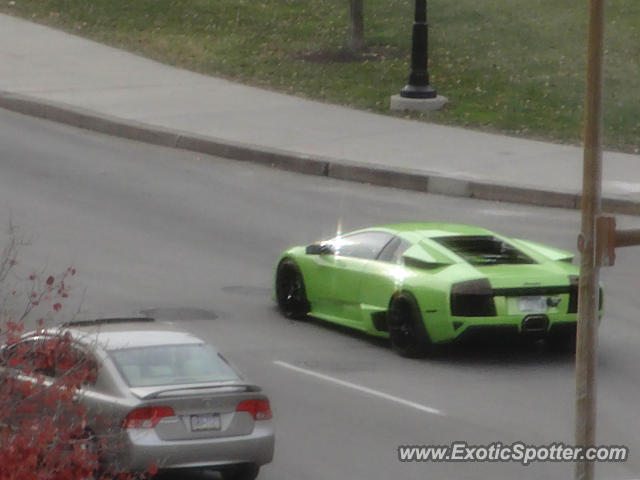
pixel 429 283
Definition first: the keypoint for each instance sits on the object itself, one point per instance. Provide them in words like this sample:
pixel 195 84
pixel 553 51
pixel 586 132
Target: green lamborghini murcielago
pixel 421 284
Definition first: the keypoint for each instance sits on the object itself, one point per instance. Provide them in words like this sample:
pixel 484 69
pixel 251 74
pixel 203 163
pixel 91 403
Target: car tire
pixel 89 441
pixel 565 343
pixel 245 471
pixel 290 291
pixel 407 332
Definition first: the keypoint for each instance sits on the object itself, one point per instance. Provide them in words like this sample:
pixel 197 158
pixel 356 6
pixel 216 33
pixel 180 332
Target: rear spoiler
pixel 145 393
pixel 421 255
pixel 551 253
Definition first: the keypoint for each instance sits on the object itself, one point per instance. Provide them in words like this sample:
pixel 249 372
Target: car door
pixel 342 272
pixel 381 277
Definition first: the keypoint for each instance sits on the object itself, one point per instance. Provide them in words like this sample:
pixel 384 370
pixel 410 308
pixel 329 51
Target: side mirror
pixel 319 249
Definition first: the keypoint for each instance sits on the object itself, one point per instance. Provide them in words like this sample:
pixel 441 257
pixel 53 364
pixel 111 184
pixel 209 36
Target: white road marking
pixel 360 388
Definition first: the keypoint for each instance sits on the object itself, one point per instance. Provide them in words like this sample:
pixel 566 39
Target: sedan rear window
pixel 172 365
pixel 485 250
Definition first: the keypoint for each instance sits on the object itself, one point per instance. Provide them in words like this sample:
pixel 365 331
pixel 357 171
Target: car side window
pixel 51 357
pixel 366 245
pixel 393 251
pixel 29 357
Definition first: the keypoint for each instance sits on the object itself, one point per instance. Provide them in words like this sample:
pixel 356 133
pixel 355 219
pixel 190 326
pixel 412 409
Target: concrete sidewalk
pixel 55 75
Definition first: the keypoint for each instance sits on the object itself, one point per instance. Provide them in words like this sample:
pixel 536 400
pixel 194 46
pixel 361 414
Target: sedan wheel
pixel 248 471
pixel 406 328
pixel 290 291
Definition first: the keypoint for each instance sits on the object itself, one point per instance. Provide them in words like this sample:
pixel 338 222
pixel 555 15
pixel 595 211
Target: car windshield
pixel 485 250
pixel 171 365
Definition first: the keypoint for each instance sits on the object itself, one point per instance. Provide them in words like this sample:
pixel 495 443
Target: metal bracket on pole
pixel 627 238
pixel 605 240
pixel 608 239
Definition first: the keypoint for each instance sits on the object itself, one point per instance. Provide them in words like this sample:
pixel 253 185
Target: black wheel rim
pixel 290 292
pixel 401 326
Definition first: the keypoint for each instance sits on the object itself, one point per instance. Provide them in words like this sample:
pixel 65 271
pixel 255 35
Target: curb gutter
pixel 300 163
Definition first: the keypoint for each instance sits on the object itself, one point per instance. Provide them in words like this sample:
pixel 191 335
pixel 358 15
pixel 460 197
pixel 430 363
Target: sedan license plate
pixel 205 422
pixel 532 304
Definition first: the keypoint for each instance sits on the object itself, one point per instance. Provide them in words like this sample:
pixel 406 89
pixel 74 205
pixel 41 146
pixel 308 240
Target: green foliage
pixel 514 66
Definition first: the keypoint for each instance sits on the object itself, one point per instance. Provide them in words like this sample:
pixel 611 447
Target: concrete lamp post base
pixel 403 104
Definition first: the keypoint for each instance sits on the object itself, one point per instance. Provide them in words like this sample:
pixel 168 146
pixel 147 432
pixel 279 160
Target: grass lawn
pixel 514 66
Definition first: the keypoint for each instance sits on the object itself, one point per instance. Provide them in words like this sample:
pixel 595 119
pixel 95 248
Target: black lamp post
pixel 418 86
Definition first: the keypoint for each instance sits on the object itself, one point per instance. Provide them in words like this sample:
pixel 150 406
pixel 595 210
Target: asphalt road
pixel 193 240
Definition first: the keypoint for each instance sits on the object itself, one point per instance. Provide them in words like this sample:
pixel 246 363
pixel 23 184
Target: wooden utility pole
pixel 597 243
pixel 588 292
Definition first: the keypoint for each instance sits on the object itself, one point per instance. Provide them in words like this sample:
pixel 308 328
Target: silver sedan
pixel 170 399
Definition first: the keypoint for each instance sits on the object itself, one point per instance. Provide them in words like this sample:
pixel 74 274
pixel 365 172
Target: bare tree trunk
pixel 356 39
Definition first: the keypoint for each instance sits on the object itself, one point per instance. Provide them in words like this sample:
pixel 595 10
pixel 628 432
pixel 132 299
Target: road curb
pixel 531 196
pixel 301 163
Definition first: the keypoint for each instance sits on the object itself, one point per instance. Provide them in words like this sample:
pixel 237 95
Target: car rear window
pixel 171 365
pixel 485 250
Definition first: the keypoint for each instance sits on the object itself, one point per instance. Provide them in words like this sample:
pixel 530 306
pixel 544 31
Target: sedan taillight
pixel 146 417
pixel 258 408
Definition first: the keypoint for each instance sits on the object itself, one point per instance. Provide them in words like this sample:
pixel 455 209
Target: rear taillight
pixel 147 417
pixel 574 281
pixel 258 408
pixel 600 298
pixel 472 299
